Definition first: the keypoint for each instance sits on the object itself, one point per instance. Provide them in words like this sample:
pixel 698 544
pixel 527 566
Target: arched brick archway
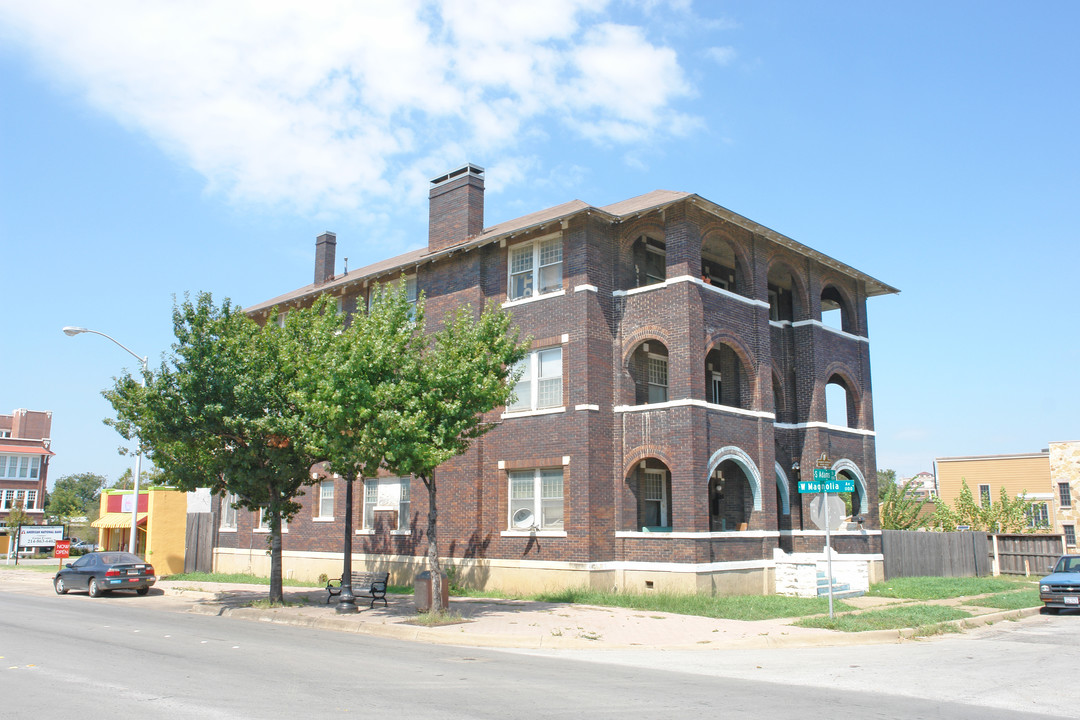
pixel 851 469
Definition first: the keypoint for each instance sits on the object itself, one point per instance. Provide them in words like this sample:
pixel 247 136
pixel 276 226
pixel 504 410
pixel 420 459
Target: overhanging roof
pixel 614 213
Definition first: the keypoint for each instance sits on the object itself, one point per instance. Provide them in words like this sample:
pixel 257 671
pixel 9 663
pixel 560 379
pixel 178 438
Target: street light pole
pixel 133 545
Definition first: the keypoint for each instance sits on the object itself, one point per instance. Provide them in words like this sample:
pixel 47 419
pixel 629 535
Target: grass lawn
pixel 240 578
pixel 939 588
pixel 925 618
pixel 1015 600
pixel 733 607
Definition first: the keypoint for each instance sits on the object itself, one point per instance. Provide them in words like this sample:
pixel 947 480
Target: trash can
pixel 422 591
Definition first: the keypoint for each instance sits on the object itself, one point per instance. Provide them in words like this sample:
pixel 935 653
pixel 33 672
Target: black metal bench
pixel 364 584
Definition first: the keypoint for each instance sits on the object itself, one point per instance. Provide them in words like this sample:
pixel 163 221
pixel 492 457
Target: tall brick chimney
pixel 456 207
pixel 325 252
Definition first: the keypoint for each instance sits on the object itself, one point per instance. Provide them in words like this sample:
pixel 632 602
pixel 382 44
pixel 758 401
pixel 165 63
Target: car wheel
pixel 142 591
pixel 94 589
pixel 59 587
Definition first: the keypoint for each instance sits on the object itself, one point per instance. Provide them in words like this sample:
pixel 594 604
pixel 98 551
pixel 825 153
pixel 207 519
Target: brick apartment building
pixel 676 384
pixel 24 462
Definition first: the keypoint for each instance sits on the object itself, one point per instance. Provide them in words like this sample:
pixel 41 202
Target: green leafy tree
pixel 148 478
pixel 17 516
pixel 445 383
pixel 75 495
pixel 1007 515
pixel 901 509
pixel 221 412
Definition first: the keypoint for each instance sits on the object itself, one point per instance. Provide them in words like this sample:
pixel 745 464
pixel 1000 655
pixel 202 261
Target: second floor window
pixel 21 467
pixel 1064 494
pixel 658 379
pixel 984 496
pixel 535 268
pixel 540 385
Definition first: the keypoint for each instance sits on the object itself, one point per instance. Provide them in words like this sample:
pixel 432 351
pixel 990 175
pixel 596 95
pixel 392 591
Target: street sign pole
pixel 828 549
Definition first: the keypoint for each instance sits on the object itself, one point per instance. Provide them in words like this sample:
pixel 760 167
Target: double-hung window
pixel 410 292
pixel 658 378
pixel 31 498
pixel 1064 494
pixel 388 493
pixel 1070 535
pixel 1038 515
pixel 654 499
pixel 984 496
pixel 540 384
pixel 8 500
pixel 20 467
pixel 326 500
pixel 535 268
pixel 536 499
pixel 228 512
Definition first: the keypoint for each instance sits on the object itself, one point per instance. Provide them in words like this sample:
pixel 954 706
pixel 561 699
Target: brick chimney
pixel 325 251
pixel 456 209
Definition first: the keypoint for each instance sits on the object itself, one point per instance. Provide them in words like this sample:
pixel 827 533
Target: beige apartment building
pixel 1050 479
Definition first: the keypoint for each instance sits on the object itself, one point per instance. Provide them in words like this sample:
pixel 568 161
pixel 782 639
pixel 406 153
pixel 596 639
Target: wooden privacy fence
pixel 936 554
pixel 1026 554
pixel 199 550
pixel 967 554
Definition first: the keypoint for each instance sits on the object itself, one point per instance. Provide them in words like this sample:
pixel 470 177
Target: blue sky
pixel 152 149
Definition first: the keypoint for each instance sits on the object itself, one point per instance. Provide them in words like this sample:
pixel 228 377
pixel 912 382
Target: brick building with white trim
pixel 676 384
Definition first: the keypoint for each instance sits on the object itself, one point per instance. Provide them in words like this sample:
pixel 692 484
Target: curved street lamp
pixel 71 331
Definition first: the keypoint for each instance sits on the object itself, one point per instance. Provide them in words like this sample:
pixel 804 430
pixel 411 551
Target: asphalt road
pixel 76 656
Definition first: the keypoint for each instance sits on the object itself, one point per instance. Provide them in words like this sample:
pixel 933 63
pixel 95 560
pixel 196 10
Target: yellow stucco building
pixel 161 530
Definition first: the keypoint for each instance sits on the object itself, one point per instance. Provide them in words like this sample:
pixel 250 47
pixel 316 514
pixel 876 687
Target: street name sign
pixel 825 481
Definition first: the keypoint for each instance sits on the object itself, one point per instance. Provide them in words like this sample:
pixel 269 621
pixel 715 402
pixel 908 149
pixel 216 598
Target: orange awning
pixel 117 520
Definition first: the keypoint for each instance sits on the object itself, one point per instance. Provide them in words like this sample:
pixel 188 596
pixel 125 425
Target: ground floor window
pixel 1070 534
pixel 536 499
pixel 1038 515
pixel 326 500
pixel 228 511
pixel 654 499
pixel 388 493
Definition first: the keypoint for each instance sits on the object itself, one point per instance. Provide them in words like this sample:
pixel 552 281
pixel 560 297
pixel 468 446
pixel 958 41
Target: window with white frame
pixel 326 500
pixel 1038 515
pixel 410 291
pixel 20 467
pixel 540 385
pixel 8 500
pixel 31 499
pixel 20 498
pixel 228 512
pixel 654 499
pixel 403 505
pixel 5 433
pixel 264 520
pixel 1064 494
pixel 1070 534
pixel 658 378
pixel 536 499
pixel 984 495
pixel 535 268
pixel 387 493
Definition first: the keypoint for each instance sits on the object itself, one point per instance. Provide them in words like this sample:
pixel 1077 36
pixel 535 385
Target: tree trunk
pixel 276 593
pixel 433 547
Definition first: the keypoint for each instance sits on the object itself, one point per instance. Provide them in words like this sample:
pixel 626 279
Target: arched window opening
pixel 840 407
pixel 650 261
pixel 650 484
pixel 649 369
pixel 727 382
pixel 731 499
pixel 834 311
pixel 719 266
pixel 852 500
pixel 782 299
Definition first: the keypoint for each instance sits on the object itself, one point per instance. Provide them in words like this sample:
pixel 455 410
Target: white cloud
pixel 721 55
pixel 329 105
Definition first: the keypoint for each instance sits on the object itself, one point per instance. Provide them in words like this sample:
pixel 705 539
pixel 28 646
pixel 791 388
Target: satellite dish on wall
pixel 523 518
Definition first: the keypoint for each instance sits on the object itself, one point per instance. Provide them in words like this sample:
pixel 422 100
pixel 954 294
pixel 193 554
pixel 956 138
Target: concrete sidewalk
pixel 511 623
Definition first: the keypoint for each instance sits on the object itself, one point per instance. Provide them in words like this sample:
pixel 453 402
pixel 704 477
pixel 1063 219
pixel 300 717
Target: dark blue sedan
pixel 1061 589
pixel 101 572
